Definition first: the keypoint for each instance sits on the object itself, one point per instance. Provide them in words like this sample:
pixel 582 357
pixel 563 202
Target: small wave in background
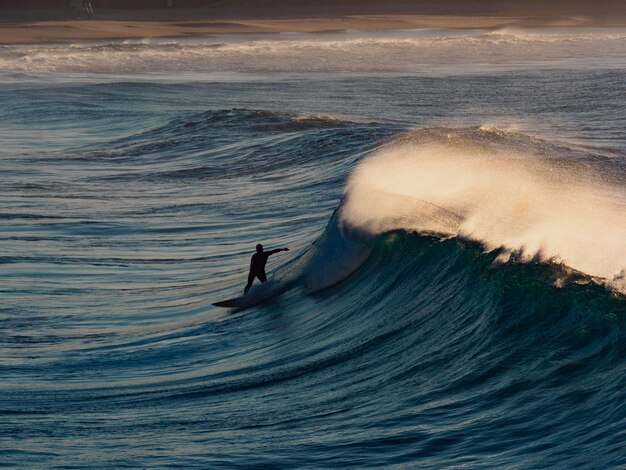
pixel 404 51
pixel 454 204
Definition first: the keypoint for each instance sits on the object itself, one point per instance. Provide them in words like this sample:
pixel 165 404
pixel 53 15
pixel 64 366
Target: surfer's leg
pixel 262 277
pixel 250 281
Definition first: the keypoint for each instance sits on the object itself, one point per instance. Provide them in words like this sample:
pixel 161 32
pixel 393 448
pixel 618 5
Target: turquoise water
pixel 455 208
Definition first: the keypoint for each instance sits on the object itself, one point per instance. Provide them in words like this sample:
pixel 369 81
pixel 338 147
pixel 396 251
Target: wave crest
pixel 532 199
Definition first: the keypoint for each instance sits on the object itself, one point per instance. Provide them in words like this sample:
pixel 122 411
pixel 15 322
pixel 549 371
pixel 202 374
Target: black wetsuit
pixel 257 267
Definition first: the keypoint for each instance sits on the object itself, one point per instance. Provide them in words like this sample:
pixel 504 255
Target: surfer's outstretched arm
pixel 271 252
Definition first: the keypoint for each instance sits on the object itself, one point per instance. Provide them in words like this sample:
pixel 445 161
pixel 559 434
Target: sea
pixel 454 294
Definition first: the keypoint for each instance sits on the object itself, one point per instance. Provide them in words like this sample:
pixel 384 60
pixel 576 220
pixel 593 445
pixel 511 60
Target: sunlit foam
pixel 538 201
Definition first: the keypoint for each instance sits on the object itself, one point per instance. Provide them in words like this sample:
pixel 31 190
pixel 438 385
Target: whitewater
pixel 539 201
pixel 454 296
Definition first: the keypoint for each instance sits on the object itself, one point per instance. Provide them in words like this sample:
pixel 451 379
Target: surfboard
pixel 258 294
pixel 230 303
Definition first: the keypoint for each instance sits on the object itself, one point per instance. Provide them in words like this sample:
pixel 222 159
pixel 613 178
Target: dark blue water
pixel 137 179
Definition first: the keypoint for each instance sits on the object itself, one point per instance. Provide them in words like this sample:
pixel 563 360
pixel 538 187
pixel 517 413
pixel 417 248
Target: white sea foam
pixel 409 51
pixel 536 200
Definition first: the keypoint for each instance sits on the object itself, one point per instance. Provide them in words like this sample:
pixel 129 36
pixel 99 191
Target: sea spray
pixel 533 199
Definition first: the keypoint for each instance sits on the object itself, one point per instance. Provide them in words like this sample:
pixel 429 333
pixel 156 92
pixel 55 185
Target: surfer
pixel 257 265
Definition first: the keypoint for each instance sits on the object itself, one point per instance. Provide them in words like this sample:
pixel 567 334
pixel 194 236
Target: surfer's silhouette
pixel 257 265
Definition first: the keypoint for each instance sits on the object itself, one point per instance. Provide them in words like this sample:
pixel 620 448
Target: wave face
pixel 451 297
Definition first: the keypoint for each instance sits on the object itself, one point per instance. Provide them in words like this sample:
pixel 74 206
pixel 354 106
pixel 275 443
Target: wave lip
pixel 533 199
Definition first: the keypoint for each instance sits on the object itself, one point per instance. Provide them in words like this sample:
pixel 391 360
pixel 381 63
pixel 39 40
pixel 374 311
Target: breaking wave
pixel 404 51
pixel 533 200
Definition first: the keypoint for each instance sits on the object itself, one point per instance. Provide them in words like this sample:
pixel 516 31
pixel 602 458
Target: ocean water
pixel 454 295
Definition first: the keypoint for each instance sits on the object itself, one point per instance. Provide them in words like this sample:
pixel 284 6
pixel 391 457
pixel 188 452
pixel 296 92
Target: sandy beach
pixel 30 27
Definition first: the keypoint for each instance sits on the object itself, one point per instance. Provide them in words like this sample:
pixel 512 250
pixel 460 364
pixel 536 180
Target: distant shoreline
pixel 37 27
